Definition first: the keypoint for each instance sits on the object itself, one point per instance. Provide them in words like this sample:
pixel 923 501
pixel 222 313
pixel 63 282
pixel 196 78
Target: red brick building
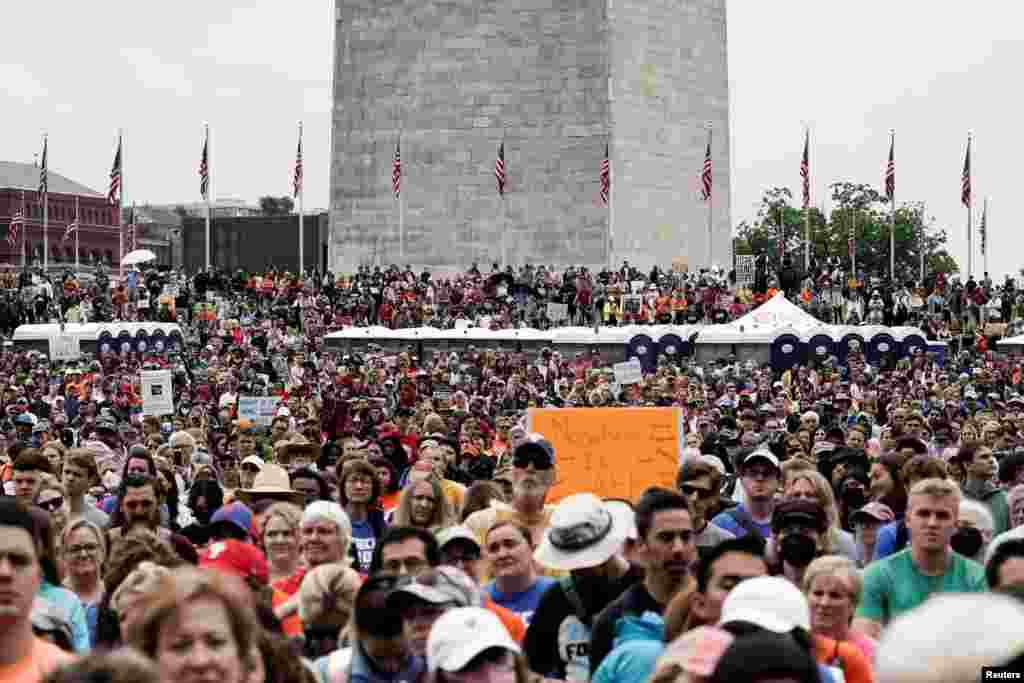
pixel 98 236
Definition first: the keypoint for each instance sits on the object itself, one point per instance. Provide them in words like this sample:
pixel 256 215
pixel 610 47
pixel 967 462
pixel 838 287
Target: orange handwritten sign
pixel 611 452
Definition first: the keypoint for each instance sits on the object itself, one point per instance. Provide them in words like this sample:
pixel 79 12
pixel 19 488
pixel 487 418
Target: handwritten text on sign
pixel 611 452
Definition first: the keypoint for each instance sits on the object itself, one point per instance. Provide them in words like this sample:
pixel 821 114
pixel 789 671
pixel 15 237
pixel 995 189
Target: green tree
pixel 276 206
pixel 859 212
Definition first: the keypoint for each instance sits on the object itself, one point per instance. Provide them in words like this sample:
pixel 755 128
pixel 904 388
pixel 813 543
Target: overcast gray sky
pixel 851 71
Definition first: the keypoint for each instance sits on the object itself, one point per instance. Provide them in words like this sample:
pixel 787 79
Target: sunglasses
pixel 702 493
pixel 541 461
pixel 51 505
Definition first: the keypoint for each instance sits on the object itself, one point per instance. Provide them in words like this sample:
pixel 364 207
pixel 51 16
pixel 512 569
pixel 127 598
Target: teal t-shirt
pixel 893 585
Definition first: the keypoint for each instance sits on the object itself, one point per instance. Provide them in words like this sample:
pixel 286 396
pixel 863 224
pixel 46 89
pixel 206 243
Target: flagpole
pixel 610 243
pixel 78 227
pixel 970 217
pixel 24 233
pixel 807 209
pixel 302 232
pixel 711 211
pixel 853 242
pixel 120 209
pixel 209 190
pixel 46 207
pixel 401 210
pixel 985 238
pixel 892 201
pixel 504 209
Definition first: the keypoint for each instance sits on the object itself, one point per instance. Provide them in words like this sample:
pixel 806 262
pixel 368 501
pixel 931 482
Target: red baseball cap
pixel 237 558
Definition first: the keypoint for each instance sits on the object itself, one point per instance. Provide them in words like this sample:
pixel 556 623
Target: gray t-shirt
pixel 94 515
pixel 712 536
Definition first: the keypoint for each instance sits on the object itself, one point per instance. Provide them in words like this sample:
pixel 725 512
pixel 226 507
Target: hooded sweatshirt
pixel 637 646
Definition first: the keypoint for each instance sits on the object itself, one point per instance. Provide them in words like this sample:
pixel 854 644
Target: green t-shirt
pixel 893 585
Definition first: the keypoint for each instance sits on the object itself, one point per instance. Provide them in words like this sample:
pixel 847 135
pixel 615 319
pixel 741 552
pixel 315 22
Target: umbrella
pixel 138 256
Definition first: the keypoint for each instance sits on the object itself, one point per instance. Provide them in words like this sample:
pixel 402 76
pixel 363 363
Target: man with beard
pixel 585 538
pixel 533 475
pixel 139 509
pixel 666 542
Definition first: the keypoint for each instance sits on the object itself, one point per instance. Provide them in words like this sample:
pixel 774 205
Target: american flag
pixel 204 170
pixel 499 169
pixel 297 175
pixel 113 194
pixel 705 175
pixel 805 169
pixel 396 170
pixel 17 223
pixel 44 180
pixel 606 177
pixel 965 180
pixel 890 171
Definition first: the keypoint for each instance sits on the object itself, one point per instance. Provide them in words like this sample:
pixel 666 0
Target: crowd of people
pixel 394 520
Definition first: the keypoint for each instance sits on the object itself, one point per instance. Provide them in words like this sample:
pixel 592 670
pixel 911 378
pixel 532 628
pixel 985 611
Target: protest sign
pixel 259 410
pixel 611 452
pixel 630 372
pixel 157 393
pixel 558 312
pixel 64 347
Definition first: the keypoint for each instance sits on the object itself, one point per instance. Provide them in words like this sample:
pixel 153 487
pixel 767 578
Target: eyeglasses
pixel 461 558
pixel 52 504
pixel 84 549
pixel 702 493
pixel 541 461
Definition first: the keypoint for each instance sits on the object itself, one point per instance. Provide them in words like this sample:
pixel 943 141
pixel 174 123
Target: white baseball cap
pixel 461 634
pixel 771 602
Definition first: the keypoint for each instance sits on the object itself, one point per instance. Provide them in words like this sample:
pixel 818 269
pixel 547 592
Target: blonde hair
pixel 826 499
pixel 840 567
pixel 444 515
pixel 936 488
pixel 328 592
pixel 81 522
pixel 140 584
pixel 289 512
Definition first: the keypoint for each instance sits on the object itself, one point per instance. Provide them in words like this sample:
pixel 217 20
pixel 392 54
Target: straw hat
pixel 272 482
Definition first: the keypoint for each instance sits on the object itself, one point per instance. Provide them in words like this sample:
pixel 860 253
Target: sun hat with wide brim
pixel 271 482
pixel 584 531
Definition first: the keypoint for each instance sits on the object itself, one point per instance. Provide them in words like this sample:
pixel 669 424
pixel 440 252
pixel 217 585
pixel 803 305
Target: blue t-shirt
pixel 887 542
pixel 69 606
pixel 724 520
pixel 524 603
pixel 364 542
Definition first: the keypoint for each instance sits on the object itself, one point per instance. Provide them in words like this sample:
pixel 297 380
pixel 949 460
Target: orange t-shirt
pixel 44 659
pixel 291 625
pixel 847 656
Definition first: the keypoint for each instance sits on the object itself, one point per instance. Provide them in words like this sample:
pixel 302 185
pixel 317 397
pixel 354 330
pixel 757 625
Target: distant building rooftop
pixel 18 176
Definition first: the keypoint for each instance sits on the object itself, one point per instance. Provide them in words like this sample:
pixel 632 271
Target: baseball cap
pixel 769 602
pixel 584 531
pixel 534 444
pixel 235 557
pixel 763 454
pixel 456 533
pixel 773 655
pixel 461 634
pixel 879 512
pixel 442 585
pixel 236 514
pixel 798 510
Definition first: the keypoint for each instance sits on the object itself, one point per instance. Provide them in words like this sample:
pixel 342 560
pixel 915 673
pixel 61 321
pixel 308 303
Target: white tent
pixel 764 324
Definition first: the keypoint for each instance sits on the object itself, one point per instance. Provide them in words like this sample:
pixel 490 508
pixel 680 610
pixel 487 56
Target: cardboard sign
pixel 611 452
pixel 630 372
pixel 259 410
pixel 745 270
pixel 64 347
pixel 558 311
pixel 679 265
pixel 157 393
